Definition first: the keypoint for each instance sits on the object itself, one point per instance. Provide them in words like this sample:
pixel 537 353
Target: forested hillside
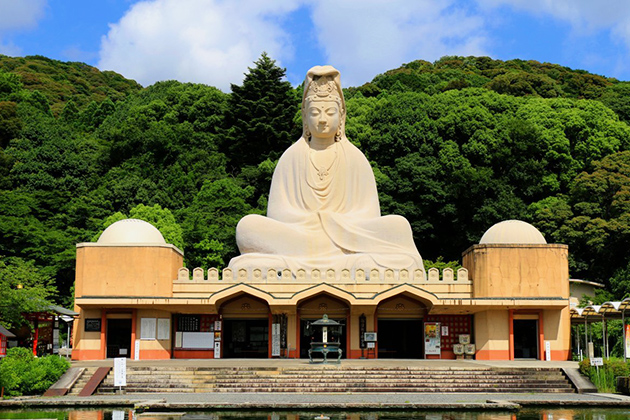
pixel 456 146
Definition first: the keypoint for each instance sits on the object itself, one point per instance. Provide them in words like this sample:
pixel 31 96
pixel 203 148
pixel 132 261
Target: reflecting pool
pixel 128 414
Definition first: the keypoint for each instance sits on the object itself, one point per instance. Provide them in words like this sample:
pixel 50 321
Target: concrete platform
pixel 346 401
pixel 375 363
pixel 363 401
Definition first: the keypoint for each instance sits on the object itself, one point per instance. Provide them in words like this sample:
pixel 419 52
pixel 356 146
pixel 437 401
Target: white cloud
pixel 203 41
pixel 10 49
pixel 364 38
pixel 20 14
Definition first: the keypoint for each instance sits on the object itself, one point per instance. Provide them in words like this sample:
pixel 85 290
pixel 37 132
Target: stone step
pixel 336 379
pixel 354 380
pixel 392 384
pixel 406 374
pixel 402 390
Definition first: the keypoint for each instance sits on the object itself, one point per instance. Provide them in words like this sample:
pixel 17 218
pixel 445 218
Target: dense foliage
pixel 23 374
pixel 605 377
pixel 456 146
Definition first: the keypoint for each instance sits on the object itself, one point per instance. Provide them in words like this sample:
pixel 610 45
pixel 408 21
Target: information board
pixel 597 361
pixel 120 371
pixel 432 338
pixel 275 340
pixel 627 346
pixel 163 328
pixel 147 328
pixel 198 340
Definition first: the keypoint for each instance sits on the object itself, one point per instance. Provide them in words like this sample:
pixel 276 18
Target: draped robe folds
pixel 334 222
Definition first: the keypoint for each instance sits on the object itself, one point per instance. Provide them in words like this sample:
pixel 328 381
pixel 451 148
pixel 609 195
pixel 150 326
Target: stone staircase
pixel 82 381
pixel 340 379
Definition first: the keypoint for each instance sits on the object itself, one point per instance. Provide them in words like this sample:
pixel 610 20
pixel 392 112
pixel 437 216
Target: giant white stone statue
pixel 323 210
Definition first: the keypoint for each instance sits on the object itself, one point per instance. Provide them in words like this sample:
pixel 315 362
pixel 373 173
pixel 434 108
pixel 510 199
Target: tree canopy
pixel 456 146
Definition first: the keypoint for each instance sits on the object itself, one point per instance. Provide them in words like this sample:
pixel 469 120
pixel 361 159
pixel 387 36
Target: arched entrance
pixel 245 327
pixel 400 321
pixel 314 308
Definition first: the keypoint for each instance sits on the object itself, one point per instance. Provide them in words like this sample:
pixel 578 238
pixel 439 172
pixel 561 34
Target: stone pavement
pixel 382 401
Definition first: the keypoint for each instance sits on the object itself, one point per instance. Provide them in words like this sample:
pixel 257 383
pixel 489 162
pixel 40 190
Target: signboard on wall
pixel 432 338
pixel 275 340
pixel 92 324
pixel 627 346
pixel 147 328
pixel 198 340
pixel 217 349
pixel 163 329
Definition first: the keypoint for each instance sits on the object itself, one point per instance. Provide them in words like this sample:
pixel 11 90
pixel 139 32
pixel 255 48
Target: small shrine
pixel 324 346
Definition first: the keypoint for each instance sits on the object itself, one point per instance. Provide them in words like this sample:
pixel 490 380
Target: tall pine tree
pixel 260 116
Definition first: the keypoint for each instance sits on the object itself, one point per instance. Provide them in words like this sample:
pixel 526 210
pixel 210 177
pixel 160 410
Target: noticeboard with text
pixel 432 338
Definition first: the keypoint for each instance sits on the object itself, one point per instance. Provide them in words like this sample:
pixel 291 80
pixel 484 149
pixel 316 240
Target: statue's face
pixel 323 118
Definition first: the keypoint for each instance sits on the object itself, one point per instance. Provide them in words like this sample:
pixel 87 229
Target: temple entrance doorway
pixel 311 310
pixel 400 328
pixel 246 338
pixel 526 339
pixel 400 339
pixel 118 338
pixel 245 328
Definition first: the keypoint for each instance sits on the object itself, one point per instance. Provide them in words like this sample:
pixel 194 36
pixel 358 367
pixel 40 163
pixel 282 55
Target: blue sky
pixel 214 41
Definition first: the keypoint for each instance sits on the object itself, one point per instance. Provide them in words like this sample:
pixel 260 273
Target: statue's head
pixel 323 84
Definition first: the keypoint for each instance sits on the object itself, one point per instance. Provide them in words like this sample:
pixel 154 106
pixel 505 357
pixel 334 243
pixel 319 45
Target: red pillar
pixel 36 337
pixel 348 334
pixel 541 336
pixel 511 342
pixel 134 325
pixel 103 336
pixel 270 335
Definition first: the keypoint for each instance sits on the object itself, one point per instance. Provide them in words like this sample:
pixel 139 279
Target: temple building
pixel 510 300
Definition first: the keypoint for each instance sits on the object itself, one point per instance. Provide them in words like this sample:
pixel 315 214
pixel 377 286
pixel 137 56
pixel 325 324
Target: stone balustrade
pixel 323 276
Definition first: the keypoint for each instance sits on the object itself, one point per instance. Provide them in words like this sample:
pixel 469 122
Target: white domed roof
pixel 131 231
pixel 512 232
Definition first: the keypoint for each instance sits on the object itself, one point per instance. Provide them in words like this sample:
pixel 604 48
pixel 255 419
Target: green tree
pixel 259 117
pixel 210 222
pixel 159 217
pixel 24 288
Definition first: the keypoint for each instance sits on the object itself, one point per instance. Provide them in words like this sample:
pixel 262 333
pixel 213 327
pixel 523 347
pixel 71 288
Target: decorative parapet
pixel 375 275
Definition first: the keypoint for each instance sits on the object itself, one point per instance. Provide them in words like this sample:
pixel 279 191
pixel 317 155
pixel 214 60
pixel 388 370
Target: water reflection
pixel 127 414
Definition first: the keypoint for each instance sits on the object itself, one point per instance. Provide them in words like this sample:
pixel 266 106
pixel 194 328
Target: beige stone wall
pixel 90 340
pixel 557 330
pixel 244 306
pixel 126 270
pixel 518 270
pixel 156 347
pixel 492 334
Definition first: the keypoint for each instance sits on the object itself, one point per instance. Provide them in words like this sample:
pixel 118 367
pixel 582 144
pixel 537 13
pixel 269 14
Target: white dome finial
pixel 513 232
pixel 131 231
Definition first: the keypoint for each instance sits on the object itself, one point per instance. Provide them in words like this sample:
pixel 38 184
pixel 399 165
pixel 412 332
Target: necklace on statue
pixel 322 170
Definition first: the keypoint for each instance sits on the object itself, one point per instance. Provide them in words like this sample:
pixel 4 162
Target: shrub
pixel 605 378
pixel 23 374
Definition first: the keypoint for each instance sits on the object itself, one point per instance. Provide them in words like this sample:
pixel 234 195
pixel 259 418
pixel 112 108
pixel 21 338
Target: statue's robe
pixel 334 222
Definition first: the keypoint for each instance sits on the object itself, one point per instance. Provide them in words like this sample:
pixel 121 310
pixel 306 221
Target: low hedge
pixel 23 374
pixel 605 379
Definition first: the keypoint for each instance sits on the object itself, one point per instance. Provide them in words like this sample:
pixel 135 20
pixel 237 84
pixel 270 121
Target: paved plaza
pixel 226 400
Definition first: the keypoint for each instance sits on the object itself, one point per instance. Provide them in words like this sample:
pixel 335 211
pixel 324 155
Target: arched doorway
pixel 400 321
pixel 314 308
pixel 245 327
